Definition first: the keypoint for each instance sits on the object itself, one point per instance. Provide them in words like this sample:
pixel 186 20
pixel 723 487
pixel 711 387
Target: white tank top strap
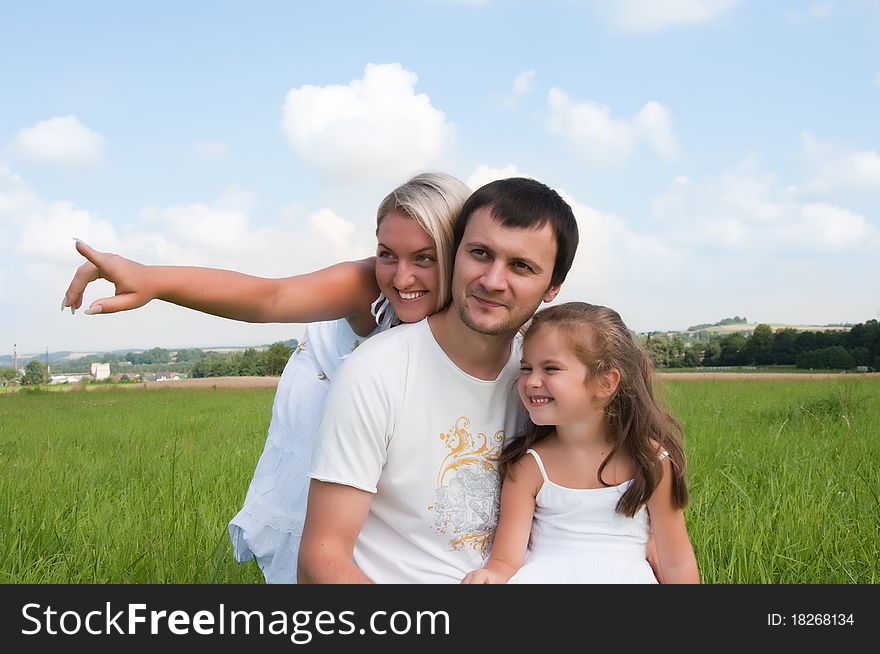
pixel 662 455
pixel 539 462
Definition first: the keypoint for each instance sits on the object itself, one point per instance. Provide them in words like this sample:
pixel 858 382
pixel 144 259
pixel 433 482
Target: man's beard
pixel 504 329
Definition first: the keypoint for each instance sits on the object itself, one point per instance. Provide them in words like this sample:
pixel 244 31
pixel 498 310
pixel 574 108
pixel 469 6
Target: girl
pixel 599 457
pixel 406 281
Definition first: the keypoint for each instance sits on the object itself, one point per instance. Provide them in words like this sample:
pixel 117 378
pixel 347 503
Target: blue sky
pixel 721 155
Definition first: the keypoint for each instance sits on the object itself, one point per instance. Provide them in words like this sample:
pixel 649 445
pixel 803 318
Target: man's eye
pixel 478 253
pixel 520 265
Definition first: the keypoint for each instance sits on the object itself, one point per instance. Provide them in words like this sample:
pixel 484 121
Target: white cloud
pixel 834 168
pixel 524 82
pixel 223 233
pixel 374 128
pixel 644 16
pixel 484 174
pixel 836 228
pixel 47 236
pixel 605 141
pixel 211 149
pixel 654 124
pixel 60 140
pixel 613 256
pixel 749 212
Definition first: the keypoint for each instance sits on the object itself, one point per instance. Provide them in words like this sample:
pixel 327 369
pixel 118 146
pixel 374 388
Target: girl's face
pixel 406 267
pixel 553 383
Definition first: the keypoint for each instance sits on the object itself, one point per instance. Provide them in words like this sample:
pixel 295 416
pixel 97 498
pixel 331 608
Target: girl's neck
pixel 588 435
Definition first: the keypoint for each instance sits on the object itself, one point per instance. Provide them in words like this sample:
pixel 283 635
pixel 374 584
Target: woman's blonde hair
pixel 434 201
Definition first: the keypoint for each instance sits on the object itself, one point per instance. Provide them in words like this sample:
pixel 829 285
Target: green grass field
pixel 135 486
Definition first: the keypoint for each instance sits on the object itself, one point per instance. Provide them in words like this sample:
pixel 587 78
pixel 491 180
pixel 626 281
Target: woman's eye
pixel 425 258
pixel 384 254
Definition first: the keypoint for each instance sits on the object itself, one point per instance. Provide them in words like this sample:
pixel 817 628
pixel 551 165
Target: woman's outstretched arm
pixel 344 290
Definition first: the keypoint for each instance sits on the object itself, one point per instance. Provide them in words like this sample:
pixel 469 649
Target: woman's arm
pixel 674 551
pixel 344 290
pixel 514 525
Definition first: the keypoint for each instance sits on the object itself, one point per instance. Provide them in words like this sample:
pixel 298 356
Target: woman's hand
pixel 133 287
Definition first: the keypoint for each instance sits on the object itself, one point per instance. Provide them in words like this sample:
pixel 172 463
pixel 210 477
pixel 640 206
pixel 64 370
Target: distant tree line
pixel 860 346
pixel 243 364
pixel 190 361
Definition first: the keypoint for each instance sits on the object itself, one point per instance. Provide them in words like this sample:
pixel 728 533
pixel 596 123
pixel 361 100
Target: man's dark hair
pixel 524 203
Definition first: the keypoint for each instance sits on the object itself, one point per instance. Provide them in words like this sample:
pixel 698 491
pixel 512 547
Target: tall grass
pixel 133 486
pixel 126 486
pixel 784 479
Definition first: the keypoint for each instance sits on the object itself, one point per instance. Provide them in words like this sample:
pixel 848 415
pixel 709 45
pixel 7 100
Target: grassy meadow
pixel 123 485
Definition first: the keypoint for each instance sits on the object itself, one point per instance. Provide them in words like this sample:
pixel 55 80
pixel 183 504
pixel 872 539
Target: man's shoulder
pixel 386 347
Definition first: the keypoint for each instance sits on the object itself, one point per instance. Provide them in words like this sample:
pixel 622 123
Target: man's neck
pixel 480 355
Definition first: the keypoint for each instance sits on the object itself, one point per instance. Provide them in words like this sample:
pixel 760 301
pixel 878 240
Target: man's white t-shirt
pixel 402 421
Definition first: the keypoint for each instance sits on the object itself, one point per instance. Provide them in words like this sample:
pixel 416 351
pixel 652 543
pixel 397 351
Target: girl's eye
pixel 384 254
pixel 525 369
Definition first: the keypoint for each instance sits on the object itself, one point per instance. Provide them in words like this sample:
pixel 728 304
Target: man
pixel 404 489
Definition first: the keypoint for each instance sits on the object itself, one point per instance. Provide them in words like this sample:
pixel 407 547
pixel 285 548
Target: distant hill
pixel 748 328
pixel 736 320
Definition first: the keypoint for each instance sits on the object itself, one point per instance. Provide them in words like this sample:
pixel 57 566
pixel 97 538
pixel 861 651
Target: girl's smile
pixel 553 383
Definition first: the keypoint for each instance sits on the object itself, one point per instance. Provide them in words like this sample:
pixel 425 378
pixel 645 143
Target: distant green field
pixel 134 486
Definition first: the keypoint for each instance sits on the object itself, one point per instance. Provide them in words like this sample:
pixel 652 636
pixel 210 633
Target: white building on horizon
pixel 100 371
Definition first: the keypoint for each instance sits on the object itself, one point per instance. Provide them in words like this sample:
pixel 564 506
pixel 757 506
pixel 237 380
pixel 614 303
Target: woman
pixel 406 281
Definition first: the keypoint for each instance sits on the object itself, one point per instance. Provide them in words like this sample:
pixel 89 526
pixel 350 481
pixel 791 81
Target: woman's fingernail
pixel 91 311
pixel 63 303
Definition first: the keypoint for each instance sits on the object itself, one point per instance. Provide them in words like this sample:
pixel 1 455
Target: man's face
pixel 501 274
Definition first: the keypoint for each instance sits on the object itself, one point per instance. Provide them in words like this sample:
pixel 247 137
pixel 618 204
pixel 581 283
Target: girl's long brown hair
pixel 637 423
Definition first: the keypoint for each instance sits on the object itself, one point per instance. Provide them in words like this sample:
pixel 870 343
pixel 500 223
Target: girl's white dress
pixel 269 525
pixel 578 538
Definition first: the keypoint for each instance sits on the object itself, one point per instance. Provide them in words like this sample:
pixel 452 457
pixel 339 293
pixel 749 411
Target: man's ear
pixel 607 383
pixel 552 292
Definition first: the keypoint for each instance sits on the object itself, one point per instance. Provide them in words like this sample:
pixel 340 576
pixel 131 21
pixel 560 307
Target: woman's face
pixel 406 267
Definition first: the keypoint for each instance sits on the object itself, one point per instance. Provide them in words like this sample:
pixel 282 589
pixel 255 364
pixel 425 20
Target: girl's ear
pixel 607 383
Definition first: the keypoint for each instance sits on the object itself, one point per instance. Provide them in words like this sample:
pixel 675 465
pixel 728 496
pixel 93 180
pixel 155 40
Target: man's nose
pixel 495 276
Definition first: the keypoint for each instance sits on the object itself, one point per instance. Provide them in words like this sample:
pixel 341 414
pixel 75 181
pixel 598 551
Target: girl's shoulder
pixel 659 451
pixel 526 472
